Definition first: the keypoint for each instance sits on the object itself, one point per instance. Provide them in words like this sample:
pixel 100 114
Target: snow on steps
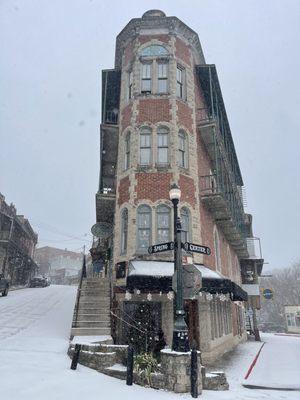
pixel 102 356
pixel 93 314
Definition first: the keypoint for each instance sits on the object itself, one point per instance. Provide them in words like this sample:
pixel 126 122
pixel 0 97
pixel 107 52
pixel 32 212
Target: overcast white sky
pixel 52 53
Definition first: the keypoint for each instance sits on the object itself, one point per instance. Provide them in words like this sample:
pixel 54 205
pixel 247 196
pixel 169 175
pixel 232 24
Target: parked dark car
pixel 4 285
pixel 38 281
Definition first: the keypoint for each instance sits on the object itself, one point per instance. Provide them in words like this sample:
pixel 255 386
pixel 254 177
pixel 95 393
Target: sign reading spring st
pixel 158 248
pixel 197 248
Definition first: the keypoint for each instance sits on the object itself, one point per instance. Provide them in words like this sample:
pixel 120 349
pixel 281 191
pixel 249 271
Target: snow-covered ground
pixel 34 331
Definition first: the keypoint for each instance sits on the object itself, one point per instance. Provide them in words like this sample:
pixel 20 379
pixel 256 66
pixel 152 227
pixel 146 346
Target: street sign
pixel 158 248
pixel 268 294
pixel 102 230
pixel 196 248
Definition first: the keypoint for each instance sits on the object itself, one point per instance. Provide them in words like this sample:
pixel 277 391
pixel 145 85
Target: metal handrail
pixel 82 275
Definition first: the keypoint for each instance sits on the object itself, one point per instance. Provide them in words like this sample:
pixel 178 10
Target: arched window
pixel 163 218
pixel 145 146
pixel 143 227
pixel 127 152
pixel 154 50
pixel 185 225
pixel 182 150
pixel 217 250
pixel 162 146
pixel 124 230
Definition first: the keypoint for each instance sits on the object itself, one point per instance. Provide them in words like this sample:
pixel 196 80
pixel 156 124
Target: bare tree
pixel 286 289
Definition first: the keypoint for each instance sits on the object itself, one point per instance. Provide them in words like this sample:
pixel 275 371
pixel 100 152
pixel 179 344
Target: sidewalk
pixel 278 364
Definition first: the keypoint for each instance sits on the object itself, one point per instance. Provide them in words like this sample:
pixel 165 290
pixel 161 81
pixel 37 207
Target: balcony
pixel 105 205
pixel 224 202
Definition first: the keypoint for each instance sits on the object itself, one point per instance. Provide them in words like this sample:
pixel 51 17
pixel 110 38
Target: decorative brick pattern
pixel 188 189
pixel 123 190
pixel 153 186
pixel 154 110
pixel 182 51
pixel 184 116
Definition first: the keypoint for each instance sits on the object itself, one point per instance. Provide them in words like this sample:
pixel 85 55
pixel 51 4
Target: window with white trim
pixel 162 146
pixel 217 250
pixel 180 82
pixel 130 85
pixel 124 230
pixel 145 146
pixel 163 218
pixel 182 149
pixel 143 227
pixel 185 224
pixel 162 77
pixel 127 152
pixel 146 78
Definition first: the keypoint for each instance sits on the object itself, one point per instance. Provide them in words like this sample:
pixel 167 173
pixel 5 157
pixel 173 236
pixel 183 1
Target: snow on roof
pixel 151 268
pixel 165 268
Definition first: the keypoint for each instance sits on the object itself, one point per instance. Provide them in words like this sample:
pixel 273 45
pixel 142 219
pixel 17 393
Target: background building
pixel 17 245
pixel 164 121
pixel 61 265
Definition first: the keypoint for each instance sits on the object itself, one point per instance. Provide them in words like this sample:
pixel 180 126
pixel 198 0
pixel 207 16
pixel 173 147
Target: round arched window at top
pixel 154 50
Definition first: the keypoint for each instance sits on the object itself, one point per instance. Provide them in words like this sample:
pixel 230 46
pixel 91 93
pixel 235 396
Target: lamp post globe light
pixel 180 331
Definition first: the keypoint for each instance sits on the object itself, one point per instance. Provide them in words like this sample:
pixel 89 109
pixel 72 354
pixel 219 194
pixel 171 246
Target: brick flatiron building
pixel 164 121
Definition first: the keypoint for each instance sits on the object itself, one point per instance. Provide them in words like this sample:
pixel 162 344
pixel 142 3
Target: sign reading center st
pixel 197 248
pixel 158 248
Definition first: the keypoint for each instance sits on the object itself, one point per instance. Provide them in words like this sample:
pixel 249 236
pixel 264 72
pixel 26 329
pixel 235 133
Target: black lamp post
pixel 180 330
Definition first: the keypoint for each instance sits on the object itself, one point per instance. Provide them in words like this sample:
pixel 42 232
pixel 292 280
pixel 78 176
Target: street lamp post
pixel 180 330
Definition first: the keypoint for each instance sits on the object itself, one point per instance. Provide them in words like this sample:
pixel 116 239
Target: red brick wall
pixel 128 53
pixel 146 38
pixel 154 110
pixel 153 186
pixel 123 190
pixel 182 51
pixel 126 116
pixel 188 190
pixel 184 116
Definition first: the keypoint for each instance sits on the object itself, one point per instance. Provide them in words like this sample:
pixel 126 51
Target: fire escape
pixel 221 190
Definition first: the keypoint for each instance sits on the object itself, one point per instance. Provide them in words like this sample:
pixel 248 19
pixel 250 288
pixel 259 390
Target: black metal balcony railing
pixel 111 117
pixel 225 203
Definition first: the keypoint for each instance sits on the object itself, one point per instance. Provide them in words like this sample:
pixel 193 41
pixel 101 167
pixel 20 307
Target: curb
pixel 254 362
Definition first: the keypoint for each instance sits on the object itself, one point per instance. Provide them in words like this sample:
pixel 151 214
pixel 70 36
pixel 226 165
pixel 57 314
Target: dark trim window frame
pixel 162 146
pixel 163 223
pixel 183 149
pixel 180 82
pixel 146 77
pixel 145 146
pixel 127 151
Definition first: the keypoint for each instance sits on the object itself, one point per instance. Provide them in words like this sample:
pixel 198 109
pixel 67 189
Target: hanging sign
pixel 197 248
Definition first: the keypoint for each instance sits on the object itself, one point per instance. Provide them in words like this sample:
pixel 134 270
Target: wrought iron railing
pixel 111 117
pixel 214 184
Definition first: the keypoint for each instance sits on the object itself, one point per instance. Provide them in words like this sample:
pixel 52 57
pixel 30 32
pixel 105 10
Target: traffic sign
pixel 159 248
pixel 197 248
pixel 268 294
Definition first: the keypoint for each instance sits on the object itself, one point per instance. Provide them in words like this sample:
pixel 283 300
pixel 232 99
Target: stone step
pixel 94 300
pixel 92 324
pixel 93 317
pixel 90 331
pixel 95 311
pixel 96 280
pixel 116 371
pixel 94 293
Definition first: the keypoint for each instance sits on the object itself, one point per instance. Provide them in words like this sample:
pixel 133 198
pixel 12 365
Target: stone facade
pixel 153 40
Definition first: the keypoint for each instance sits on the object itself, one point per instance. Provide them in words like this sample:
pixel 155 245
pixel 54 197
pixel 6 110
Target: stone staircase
pixel 93 315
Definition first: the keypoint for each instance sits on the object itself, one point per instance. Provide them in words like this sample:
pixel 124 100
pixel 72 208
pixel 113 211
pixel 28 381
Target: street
pixel 34 329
